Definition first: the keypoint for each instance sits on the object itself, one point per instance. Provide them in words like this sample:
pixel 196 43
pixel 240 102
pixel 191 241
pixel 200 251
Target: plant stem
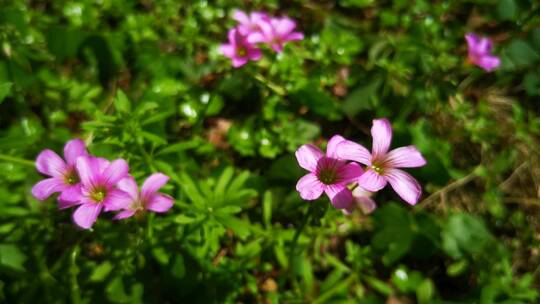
pixel 74 271
pixel 294 243
pixel 17 160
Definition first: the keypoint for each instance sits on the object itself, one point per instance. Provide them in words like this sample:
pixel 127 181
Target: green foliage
pixel 143 80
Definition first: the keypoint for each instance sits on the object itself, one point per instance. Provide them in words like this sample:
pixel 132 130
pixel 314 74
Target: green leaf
pixel 507 9
pixel 64 42
pixel 240 227
pixel 267 208
pixel 465 234
pixel 531 82
pixel 5 90
pixel 184 219
pixel 101 272
pixel 178 268
pixel 362 98
pixel 122 103
pixel 424 293
pixel 317 101
pixel 457 268
pixel 520 54
pixel 161 255
pixel 223 181
pixel 380 286
pixel 11 257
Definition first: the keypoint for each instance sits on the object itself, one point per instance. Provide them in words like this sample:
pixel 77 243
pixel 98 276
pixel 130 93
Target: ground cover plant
pixel 228 151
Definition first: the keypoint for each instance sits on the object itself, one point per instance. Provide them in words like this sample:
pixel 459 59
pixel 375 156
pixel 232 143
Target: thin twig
pixel 512 176
pixel 17 160
pixel 450 187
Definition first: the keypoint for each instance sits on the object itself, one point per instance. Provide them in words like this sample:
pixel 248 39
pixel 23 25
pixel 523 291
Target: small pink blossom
pixel 480 52
pixel 63 176
pixel 249 24
pixel 361 200
pixel 382 166
pixel 328 174
pixel 276 33
pixel 99 178
pixel 149 199
pixel 239 50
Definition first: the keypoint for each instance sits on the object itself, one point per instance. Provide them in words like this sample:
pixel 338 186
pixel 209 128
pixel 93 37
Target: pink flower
pixel 98 188
pixel 276 33
pixel 361 200
pixel 382 165
pixel 249 24
pixel 480 52
pixel 63 174
pixel 328 174
pixel 239 50
pixel 148 198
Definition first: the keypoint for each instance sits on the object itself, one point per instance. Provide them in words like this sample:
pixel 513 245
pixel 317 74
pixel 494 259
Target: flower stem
pixel 272 86
pixel 17 160
pixel 294 243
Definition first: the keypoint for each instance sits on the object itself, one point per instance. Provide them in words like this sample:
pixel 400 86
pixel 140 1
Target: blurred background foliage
pixel 143 80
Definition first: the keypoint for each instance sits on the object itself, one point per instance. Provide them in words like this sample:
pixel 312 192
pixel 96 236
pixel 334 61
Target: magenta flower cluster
pixel 95 184
pixel 254 29
pixel 341 168
pixel 479 53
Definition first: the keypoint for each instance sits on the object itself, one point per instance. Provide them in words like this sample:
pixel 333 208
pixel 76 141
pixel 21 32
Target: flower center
pixel 377 168
pixel 136 206
pixel 241 51
pixel 71 177
pixel 328 176
pixel 99 194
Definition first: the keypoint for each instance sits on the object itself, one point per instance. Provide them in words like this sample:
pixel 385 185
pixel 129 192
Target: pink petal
pixel 124 214
pixel 405 185
pixel 484 46
pixel 240 16
pixel 366 204
pixel 228 50
pixel 159 203
pixel 405 157
pixel 308 156
pixel 102 163
pixel 129 185
pixel 70 196
pixel 331 147
pixel 67 204
pixel 88 169
pixel 340 196
pixel 86 215
pixel 294 36
pixel 73 149
pixel 352 151
pixel 45 188
pixel 254 54
pixel 49 163
pixel 117 199
pixel 381 131
pixel 309 187
pixel 117 170
pixel 232 36
pixel 472 41
pixel 153 183
pixel 350 173
pixel 256 38
pixel 489 63
pixel 239 61
pixel 283 26
pixel 372 181
pixel 267 30
pixel 277 47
